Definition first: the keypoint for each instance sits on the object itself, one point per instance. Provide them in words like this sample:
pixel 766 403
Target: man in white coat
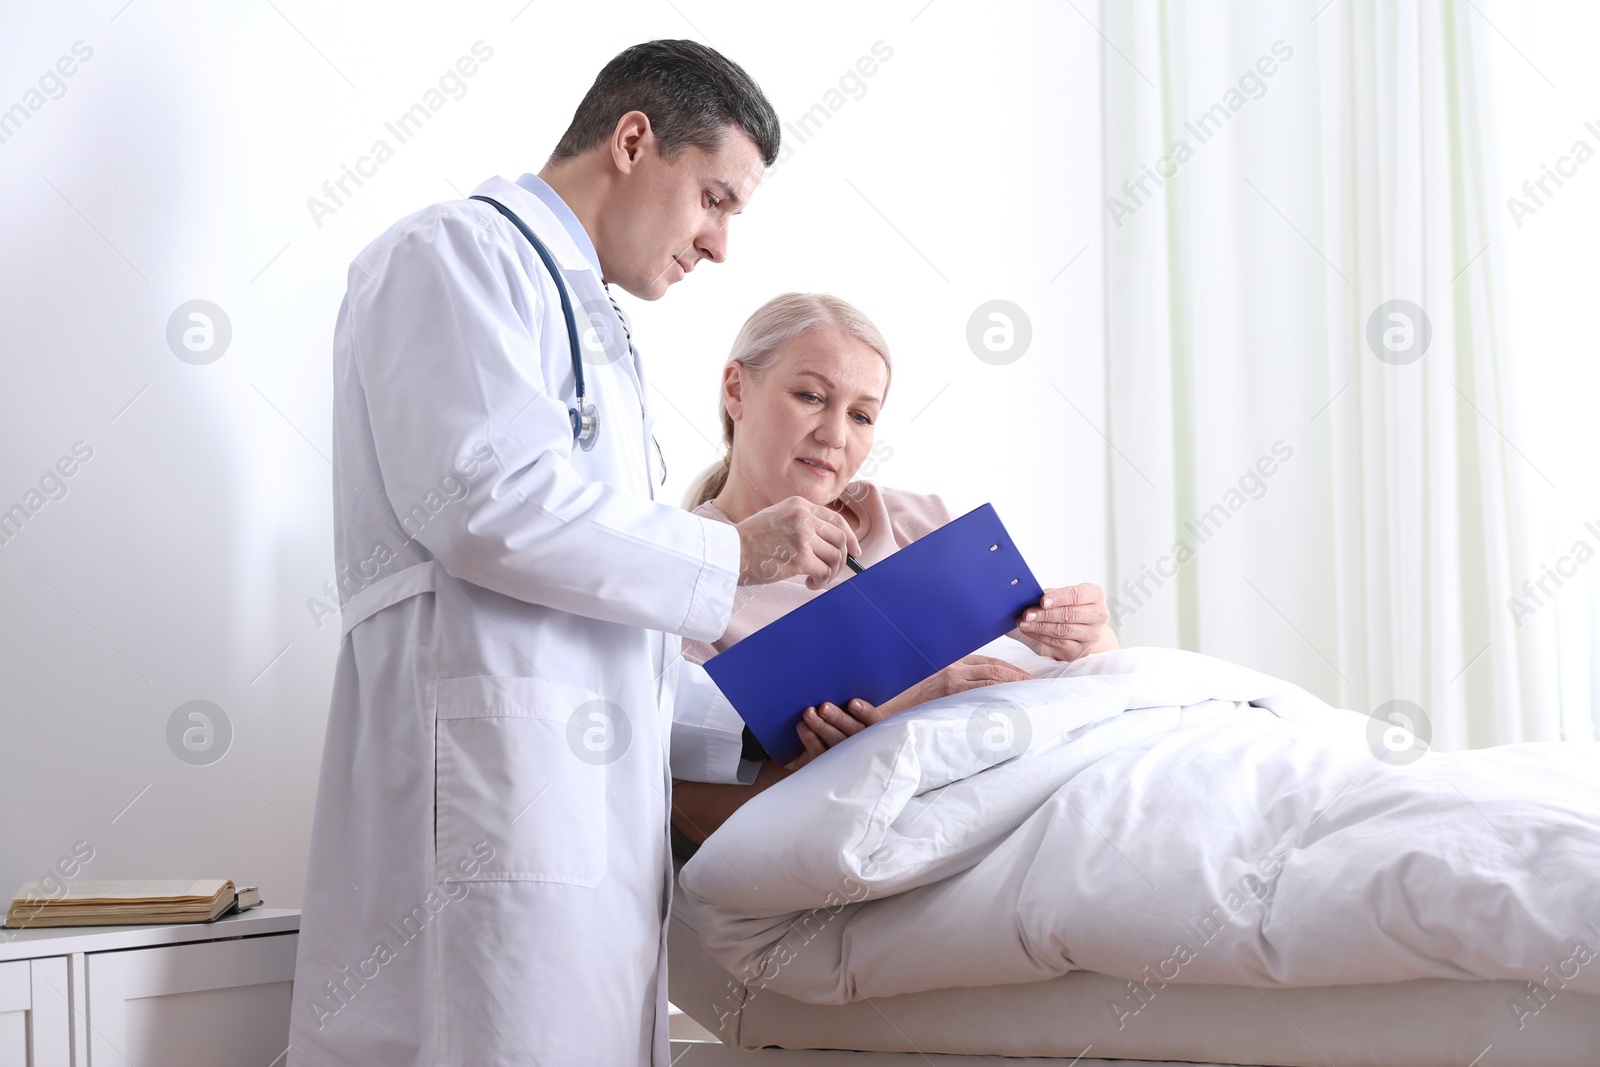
pixel 489 878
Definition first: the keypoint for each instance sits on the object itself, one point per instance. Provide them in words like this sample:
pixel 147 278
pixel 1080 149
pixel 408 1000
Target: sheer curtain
pixel 1316 464
pixel 1548 125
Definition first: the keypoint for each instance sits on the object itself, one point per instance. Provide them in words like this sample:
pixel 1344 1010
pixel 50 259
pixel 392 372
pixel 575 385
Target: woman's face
pixel 804 426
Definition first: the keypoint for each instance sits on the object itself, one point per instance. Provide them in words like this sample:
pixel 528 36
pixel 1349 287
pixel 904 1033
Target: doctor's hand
pixel 794 536
pixel 1068 623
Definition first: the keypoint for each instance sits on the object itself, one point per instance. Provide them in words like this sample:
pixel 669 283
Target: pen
pixel 853 563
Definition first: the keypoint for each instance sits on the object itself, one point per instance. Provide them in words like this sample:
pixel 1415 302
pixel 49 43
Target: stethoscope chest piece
pixel 585 425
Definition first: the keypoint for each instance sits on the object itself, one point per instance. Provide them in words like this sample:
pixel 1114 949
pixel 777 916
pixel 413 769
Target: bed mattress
pixel 1407 1024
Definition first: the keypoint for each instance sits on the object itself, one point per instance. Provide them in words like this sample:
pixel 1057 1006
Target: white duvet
pixel 1160 816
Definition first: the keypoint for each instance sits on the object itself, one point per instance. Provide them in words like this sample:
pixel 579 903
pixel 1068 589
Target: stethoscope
pixel 585 419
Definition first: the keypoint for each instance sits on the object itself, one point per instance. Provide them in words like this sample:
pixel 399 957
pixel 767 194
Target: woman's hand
pixel 1069 623
pixel 822 727
pixel 969 672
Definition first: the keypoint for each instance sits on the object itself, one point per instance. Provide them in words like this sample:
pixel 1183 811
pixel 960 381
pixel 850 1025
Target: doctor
pixel 488 880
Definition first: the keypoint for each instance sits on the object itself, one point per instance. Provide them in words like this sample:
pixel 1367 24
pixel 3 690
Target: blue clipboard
pixel 879 632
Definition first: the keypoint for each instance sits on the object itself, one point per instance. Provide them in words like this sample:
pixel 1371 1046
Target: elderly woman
pixel 801 395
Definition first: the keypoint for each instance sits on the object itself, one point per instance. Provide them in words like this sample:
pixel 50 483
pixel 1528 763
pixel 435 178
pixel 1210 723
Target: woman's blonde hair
pixel 773 325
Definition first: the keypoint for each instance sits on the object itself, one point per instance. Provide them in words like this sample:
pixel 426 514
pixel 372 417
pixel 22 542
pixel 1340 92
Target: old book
pixel 127 902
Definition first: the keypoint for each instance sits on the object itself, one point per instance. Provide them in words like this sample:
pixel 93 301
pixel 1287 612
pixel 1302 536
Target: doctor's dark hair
pixel 690 93
pixel 773 325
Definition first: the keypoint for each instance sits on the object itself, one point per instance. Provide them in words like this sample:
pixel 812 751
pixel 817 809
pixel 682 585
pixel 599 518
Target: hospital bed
pixel 1155 777
pixel 1420 1023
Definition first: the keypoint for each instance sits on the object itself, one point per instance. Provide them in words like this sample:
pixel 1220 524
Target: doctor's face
pixel 670 216
pixel 805 425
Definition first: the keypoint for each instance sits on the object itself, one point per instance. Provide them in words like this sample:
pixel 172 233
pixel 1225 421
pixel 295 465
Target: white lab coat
pixel 489 879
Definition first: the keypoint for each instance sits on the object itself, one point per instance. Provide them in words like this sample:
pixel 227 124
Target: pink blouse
pixel 887 520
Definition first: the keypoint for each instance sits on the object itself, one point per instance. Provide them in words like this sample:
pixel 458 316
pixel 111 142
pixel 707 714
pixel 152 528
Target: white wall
pixel 176 165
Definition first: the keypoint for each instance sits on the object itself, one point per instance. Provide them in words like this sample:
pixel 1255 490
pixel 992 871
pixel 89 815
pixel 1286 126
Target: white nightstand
pixel 201 994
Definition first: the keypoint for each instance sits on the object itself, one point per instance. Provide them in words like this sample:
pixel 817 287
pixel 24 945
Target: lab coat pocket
pixel 509 777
